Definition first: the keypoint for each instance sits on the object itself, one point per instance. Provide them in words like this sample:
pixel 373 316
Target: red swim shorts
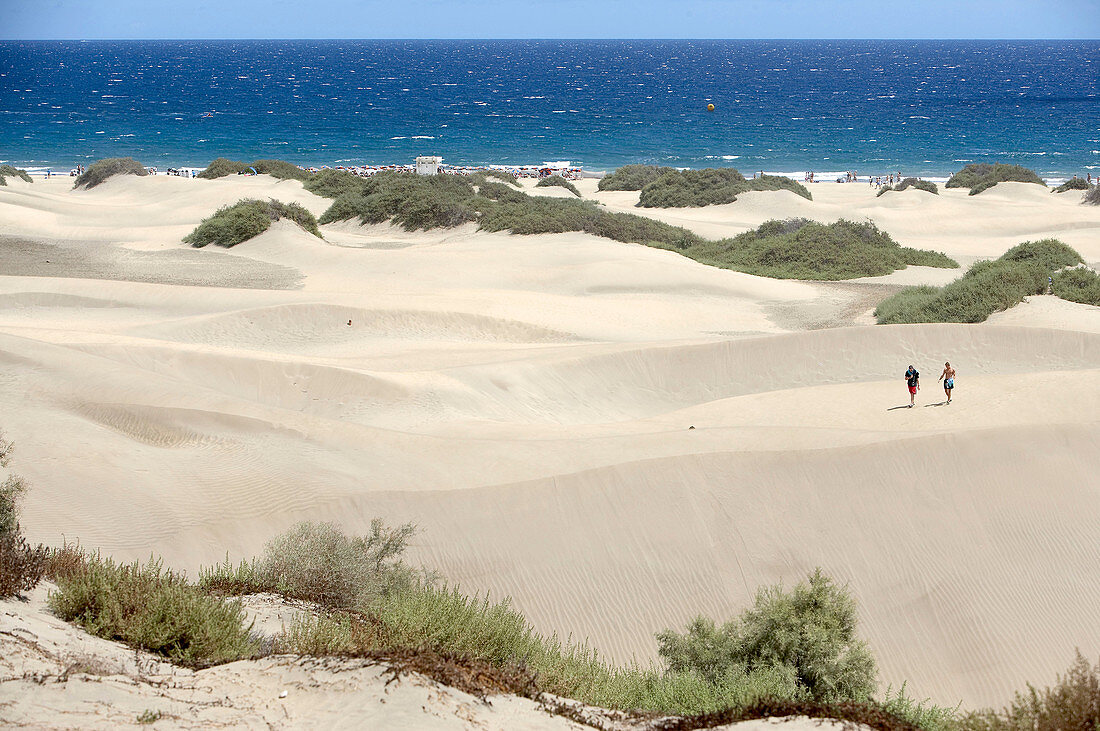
pixel 912 389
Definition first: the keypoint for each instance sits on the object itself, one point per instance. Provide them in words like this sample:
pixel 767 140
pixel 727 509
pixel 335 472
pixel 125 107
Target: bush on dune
pixel 803 249
pixel 246 219
pixel 987 287
pixel 1072 184
pixel 712 186
pixel 281 169
pixel 1092 196
pixel 99 172
pixel 559 181
pixel 498 175
pixel 21 564
pixel 917 183
pixel 7 171
pixel 412 201
pixel 632 177
pixel 1078 285
pixel 982 176
pixel 220 167
pixel 333 183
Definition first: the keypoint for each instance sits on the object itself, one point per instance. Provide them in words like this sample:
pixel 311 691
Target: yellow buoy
pixel 710 107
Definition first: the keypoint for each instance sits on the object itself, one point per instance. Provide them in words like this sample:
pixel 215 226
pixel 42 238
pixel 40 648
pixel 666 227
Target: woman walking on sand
pixel 912 379
pixel 948 378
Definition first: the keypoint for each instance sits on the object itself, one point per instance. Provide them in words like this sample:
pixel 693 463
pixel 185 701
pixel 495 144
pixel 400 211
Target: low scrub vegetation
pixel 246 219
pixel 987 287
pixel 152 609
pixel 632 177
pixel 1092 196
pixel 1072 184
pixel 333 183
pixel 281 169
pixel 983 176
pixel 925 185
pixel 221 167
pixel 559 181
pixel 498 175
pixel 803 249
pixel 1072 704
pixel 713 186
pixel 99 172
pixel 7 171
pixel 21 564
pixel 1079 284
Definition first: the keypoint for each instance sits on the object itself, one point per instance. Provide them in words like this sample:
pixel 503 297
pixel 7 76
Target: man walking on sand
pixel 912 378
pixel 948 378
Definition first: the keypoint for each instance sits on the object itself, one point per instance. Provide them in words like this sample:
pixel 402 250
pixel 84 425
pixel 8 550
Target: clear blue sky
pixel 49 19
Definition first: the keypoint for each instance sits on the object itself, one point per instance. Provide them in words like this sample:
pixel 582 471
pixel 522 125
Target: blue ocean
pixel 919 107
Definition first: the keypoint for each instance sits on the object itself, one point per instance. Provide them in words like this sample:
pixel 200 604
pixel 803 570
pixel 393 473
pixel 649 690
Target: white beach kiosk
pixel 428 165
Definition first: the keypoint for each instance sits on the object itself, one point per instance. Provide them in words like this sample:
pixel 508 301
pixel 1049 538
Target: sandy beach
pixel 528 401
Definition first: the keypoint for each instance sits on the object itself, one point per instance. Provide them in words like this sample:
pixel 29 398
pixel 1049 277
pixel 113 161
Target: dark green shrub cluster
pixel 712 186
pixel 807 634
pixel 318 562
pixel 99 172
pixel 333 183
pixel 246 219
pixel 152 609
pixel 221 167
pixel 1092 196
pixel 982 176
pixel 1073 704
pixel 7 171
pixel 632 177
pixel 281 169
pixel 987 287
pixel 559 181
pixel 917 183
pixel 803 249
pixel 1072 184
pixel 412 201
pixel 1078 285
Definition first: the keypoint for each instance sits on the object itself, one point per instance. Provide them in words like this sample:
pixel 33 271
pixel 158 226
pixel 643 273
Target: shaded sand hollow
pixel 527 401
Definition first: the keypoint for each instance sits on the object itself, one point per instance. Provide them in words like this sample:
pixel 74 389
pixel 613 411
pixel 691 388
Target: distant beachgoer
pixel 948 378
pixel 912 379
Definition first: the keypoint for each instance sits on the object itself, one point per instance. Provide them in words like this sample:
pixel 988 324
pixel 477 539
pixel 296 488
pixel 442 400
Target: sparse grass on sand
pixel 1092 196
pixel 983 176
pixel 99 172
pixel 7 171
pixel 917 183
pixel 712 186
pixel 1072 184
pixel 802 249
pixel 246 219
pixel 559 181
pixel 987 287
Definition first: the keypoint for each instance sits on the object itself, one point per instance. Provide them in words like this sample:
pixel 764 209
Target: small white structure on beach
pixel 428 165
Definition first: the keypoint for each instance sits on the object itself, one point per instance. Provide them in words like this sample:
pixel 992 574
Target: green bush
pixel 7 171
pixel 559 181
pixel 281 169
pixel 985 176
pixel 99 172
pixel 632 177
pixel 153 609
pixel 412 201
pixel 917 183
pixel 220 167
pixel 1092 196
pixel 1072 184
pixel 22 565
pixel 333 183
pixel 246 219
pixel 809 631
pixel 1078 285
pixel 987 287
pixel 712 186
pixel 803 249
pixel 1073 704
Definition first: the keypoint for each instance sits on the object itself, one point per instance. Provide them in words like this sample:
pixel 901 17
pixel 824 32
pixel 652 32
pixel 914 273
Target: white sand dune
pixel 527 401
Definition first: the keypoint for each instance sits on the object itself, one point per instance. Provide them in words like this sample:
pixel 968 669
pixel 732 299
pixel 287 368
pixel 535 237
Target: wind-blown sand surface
pixel 527 401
